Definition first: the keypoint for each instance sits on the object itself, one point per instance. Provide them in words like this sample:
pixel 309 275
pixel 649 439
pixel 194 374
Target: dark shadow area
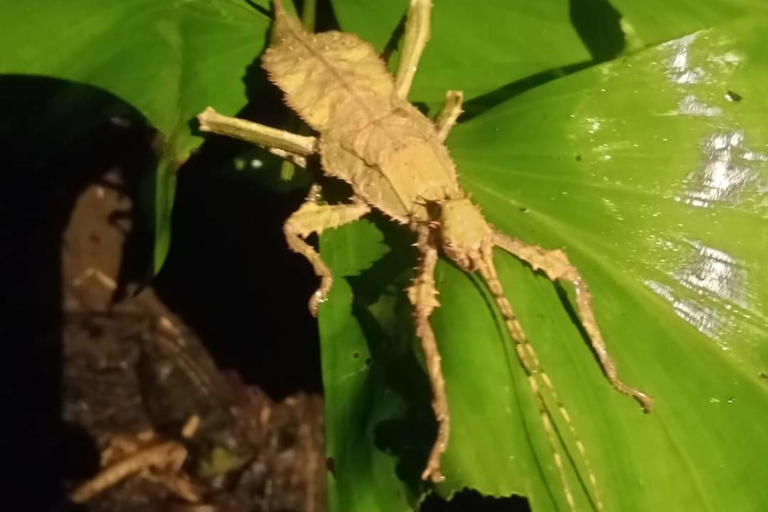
pixel 573 314
pixel 325 18
pixel 231 276
pixel 484 102
pixel 597 23
pixel 262 10
pixel 79 454
pixel 229 267
pixel 394 39
pixel 473 501
pixel 229 273
pixel 58 137
pixel 396 360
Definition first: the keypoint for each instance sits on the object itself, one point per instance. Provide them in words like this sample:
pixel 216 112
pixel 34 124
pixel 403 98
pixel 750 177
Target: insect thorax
pixel 464 231
pixel 396 163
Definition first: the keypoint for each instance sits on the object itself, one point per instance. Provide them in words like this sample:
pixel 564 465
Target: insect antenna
pixel 533 368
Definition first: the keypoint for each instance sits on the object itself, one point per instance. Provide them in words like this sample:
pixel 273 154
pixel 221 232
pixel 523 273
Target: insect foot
pixel 310 218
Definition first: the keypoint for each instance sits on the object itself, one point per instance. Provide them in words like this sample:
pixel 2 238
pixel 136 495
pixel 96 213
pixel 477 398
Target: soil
pixel 132 367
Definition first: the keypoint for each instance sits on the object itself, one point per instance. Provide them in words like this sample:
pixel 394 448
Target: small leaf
pixel 168 58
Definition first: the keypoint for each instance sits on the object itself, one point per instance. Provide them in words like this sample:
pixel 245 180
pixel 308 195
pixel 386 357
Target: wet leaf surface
pixel 652 175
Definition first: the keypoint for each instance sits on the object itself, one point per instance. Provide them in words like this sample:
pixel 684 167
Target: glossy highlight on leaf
pixel 652 176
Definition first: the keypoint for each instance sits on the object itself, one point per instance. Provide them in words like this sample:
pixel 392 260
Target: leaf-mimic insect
pixel 396 162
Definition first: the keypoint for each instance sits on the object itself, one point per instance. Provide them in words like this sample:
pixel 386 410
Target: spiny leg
pixel 532 366
pixel 446 118
pixel 265 136
pixel 555 264
pixel 423 296
pixel 415 38
pixel 310 218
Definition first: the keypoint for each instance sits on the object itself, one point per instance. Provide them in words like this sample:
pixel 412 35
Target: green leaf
pixel 653 177
pixel 167 58
pixel 651 22
pixel 473 49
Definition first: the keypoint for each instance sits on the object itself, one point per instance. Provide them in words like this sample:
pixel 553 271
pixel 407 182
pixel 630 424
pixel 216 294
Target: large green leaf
pixel 168 58
pixel 651 22
pixel 652 171
pixel 499 35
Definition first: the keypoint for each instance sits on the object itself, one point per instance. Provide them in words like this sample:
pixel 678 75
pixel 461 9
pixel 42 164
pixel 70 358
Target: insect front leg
pixel 555 264
pixel 446 118
pixel 310 218
pixel 415 39
pixel 284 144
pixel 423 296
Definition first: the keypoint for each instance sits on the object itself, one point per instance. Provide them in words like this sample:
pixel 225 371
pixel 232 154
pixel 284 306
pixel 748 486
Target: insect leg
pixel 446 118
pixel 533 368
pixel 265 136
pixel 423 296
pixel 555 264
pixel 314 218
pixel 416 37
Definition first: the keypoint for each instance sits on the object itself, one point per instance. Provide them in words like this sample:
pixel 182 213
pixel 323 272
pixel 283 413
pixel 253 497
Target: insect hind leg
pixel 535 373
pixel 556 265
pixel 423 296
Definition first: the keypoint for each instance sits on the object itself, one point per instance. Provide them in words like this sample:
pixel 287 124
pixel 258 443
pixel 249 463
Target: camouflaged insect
pixel 395 159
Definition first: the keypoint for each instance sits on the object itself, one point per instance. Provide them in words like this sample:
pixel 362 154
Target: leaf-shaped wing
pixel 329 78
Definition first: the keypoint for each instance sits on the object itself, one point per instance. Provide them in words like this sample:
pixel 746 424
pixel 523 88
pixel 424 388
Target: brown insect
pixel 395 160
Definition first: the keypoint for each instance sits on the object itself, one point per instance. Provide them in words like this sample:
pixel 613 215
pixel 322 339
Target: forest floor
pixel 135 376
